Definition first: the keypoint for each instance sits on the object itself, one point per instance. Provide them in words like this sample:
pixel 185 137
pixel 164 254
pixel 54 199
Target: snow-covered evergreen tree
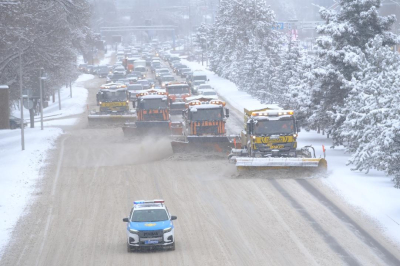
pixel 372 126
pixel 244 48
pixel 345 33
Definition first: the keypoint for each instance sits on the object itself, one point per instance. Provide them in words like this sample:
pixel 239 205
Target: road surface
pixel 224 218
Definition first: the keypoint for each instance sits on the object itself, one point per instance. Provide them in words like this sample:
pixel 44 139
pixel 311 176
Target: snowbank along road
pixel 224 218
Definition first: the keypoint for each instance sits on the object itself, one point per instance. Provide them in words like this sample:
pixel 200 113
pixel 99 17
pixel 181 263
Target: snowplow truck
pixel 203 127
pixel 152 115
pixel 177 93
pixel 113 102
pixel 269 141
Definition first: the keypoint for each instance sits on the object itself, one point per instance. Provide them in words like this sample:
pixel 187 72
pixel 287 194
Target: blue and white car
pixel 149 226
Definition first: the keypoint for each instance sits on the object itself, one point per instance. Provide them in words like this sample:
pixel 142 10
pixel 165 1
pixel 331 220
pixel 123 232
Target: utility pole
pixel 41 98
pixel 70 89
pixel 22 101
pixel 59 99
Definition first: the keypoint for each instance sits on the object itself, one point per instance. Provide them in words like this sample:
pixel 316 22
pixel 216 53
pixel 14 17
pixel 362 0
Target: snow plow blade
pixel 203 144
pixel 117 120
pixel 140 128
pixel 243 163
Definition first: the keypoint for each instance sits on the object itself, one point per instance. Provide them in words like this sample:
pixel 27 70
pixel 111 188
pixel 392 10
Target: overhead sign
pixel 28 104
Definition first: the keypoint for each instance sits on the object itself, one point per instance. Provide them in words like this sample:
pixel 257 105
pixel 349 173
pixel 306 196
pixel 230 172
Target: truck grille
pixel 154 117
pixel 200 130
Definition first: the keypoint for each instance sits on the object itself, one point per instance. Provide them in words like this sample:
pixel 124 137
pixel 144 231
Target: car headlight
pixel 167 230
pixel 133 231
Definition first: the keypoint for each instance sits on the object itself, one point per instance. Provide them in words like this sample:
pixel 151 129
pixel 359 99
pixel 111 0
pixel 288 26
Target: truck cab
pixel 270 133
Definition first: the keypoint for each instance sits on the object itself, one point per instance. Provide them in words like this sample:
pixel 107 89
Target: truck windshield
pixel 153 215
pixel 178 90
pixel 152 104
pixel 113 96
pixel 214 114
pixel 274 127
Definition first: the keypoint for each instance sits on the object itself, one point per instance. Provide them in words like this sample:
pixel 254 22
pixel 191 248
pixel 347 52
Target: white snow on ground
pixel 372 194
pixel 20 170
pixel 69 106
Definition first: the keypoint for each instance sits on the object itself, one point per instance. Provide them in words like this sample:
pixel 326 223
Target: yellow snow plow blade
pixel 106 119
pixel 280 163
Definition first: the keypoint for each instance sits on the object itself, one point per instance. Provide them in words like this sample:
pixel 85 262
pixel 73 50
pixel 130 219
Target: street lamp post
pixel 22 102
pixel 41 98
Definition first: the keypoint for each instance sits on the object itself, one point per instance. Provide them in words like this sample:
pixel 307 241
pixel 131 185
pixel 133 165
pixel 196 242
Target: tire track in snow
pixel 358 231
pixel 329 239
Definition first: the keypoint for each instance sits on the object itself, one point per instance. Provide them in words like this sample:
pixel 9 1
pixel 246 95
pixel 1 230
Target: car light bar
pixel 273 113
pixel 148 201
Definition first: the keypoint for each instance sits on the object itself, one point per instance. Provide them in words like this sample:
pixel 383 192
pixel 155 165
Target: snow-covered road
pixel 372 195
pixel 224 217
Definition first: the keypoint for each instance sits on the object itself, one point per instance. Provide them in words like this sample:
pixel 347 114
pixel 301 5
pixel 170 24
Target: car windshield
pixel 274 127
pixel 199 77
pixel 141 69
pixel 109 96
pixel 135 87
pixel 144 82
pixel 177 90
pixel 207 114
pixel 117 76
pixel 152 215
pixel 167 78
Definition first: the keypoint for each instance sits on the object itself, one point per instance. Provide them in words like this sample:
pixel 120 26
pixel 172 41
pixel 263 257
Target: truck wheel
pixel 128 248
pixel 172 247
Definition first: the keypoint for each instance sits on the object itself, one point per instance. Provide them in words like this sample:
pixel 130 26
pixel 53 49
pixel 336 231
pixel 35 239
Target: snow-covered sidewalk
pixel 20 170
pixel 372 194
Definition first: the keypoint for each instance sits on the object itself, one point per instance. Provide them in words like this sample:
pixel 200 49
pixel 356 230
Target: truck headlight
pixel 167 230
pixel 133 231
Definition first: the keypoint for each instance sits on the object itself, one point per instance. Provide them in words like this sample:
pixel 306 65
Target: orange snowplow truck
pixel 177 94
pixel 204 127
pixel 152 115
pixel 128 64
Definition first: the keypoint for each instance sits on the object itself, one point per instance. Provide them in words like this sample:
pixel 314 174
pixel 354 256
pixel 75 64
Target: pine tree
pixel 345 33
pixel 372 126
pixel 245 49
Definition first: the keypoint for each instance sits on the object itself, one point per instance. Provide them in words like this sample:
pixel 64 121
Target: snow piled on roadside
pixel 372 194
pixel 69 106
pixel 20 172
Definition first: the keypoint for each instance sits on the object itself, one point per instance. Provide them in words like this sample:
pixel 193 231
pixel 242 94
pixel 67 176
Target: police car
pixel 149 226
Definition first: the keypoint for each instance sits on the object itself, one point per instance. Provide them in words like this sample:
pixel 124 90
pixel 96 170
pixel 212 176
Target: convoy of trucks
pixel 267 141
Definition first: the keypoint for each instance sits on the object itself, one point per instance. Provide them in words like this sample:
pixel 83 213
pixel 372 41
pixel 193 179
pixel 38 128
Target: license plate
pixel 276 147
pixel 148 242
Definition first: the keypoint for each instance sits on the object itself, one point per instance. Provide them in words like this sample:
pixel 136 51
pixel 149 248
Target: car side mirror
pixel 126 220
pixel 173 218
pixel 208 79
pixel 226 112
